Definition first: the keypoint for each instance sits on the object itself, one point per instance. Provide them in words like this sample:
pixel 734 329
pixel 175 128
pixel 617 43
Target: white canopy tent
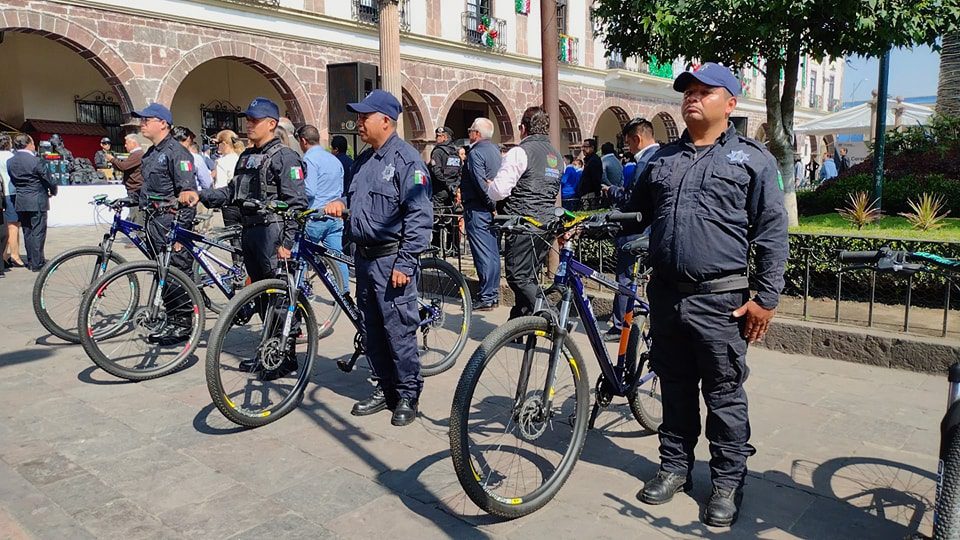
pixel 859 120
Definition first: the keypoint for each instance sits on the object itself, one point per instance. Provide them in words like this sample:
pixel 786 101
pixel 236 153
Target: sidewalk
pixel 844 451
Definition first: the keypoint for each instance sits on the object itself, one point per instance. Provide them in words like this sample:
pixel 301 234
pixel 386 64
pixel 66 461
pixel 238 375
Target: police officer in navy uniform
pixel 445 166
pixel 168 172
pixel 266 171
pixel 708 197
pixel 390 224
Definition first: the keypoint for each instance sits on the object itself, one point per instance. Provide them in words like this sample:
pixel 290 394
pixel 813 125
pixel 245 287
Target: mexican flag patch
pixel 419 179
pixel 296 173
pixel 186 166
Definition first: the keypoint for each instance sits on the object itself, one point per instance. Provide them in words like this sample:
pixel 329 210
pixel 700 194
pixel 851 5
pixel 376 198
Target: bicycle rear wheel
pixel 947 524
pixel 445 313
pixel 252 380
pixel 645 401
pixel 152 341
pixel 61 284
pixel 512 457
pixel 326 310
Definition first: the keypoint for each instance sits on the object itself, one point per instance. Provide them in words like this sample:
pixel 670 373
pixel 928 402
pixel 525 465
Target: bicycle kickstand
pixel 348 366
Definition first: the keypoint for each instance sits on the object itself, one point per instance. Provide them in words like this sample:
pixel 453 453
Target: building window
pixel 479 8
pixel 219 115
pixel 812 102
pixel 101 108
pixel 561 17
pixel 368 12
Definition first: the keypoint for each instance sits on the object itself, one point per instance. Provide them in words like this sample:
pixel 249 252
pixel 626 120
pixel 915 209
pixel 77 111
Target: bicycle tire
pixel 947 524
pixel 330 308
pixel 92 342
pixel 456 279
pixel 215 386
pixel 644 414
pixel 43 278
pixel 459 444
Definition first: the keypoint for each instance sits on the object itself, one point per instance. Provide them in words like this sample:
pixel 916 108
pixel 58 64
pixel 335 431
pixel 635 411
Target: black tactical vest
pixel 253 178
pixel 535 194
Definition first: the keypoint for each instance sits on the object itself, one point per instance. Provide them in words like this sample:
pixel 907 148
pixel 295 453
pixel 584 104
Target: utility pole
pixel 880 140
pixel 549 47
pixel 389 17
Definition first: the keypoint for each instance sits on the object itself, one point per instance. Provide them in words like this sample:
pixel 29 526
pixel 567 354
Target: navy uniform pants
pixel 390 320
pixel 523 257
pixel 259 244
pixel 174 299
pixel 697 342
pixel 624 271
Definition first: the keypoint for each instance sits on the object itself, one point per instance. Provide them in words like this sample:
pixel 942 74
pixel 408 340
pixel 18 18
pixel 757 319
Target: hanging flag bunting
pixel 523 7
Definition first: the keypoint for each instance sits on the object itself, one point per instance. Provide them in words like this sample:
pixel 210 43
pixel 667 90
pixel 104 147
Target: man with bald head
pixel 483 162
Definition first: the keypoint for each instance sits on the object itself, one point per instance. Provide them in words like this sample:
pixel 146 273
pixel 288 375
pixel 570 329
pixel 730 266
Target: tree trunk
pixel 948 90
pixel 780 107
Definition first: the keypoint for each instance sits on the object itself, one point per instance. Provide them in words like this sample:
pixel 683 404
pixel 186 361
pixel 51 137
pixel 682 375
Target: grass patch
pixel 887 227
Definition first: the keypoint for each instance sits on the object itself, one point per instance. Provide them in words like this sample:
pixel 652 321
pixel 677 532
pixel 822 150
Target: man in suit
pixel 34 188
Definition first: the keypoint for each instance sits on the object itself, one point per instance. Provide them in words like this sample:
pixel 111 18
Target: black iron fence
pixel 484 31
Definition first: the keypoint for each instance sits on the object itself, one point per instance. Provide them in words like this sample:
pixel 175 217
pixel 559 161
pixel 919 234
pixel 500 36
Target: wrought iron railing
pixel 484 31
pixel 616 62
pixel 368 12
pixel 569 50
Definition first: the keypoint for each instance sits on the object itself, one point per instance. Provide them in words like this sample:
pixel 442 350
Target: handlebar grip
pixel 501 218
pixel 859 256
pixel 624 217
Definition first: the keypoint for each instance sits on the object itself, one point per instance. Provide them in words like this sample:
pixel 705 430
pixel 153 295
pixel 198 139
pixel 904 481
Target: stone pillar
pixel 390 52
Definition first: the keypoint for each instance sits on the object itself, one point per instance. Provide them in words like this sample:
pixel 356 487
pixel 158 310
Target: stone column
pixel 390 52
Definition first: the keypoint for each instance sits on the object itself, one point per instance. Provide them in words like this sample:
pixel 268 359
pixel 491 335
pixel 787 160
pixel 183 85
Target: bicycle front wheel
pixel 160 335
pixel 511 451
pixel 61 284
pixel 445 313
pixel 325 308
pixel 252 376
pixel 947 524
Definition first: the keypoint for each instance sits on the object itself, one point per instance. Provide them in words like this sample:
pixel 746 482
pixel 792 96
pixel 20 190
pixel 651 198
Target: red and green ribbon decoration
pixel 523 7
pixel 488 35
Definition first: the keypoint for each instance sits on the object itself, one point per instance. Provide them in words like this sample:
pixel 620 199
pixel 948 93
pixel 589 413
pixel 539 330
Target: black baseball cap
pixel 710 74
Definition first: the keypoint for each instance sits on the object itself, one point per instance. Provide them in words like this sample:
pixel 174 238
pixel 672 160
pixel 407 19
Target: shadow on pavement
pixel 21 357
pixel 50 340
pixel 86 376
pixel 201 423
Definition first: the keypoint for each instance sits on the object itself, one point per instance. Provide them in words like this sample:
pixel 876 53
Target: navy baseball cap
pixel 262 107
pixel 710 74
pixel 379 101
pixel 105 140
pixel 155 110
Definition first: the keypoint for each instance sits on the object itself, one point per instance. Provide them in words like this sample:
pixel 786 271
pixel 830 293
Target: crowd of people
pixel 706 199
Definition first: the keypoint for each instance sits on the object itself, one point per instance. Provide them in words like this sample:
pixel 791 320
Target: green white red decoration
pixel 488 35
pixel 523 7
pixel 567 44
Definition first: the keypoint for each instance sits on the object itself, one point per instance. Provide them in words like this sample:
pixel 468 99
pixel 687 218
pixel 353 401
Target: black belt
pixel 375 252
pixel 736 282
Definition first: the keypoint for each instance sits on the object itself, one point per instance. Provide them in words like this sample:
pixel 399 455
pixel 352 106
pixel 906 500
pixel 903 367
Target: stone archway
pixel 665 128
pixel 570 131
pixel 298 104
pixel 609 123
pixel 91 48
pixel 416 122
pixel 762 136
pixel 495 99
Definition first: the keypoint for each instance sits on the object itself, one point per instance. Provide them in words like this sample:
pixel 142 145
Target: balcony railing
pixel 368 12
pixel 616 62
pixel 484 31
pixel 569 50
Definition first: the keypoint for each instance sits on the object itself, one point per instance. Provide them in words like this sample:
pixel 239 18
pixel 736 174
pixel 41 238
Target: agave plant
pixel 861 210
pixel 928 213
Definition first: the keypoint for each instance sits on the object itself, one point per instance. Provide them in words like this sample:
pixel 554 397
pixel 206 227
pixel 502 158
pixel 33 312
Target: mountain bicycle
pixel 63 281
pixel 143 319
pixel 946 516
pixel 521 409
pixel 261 352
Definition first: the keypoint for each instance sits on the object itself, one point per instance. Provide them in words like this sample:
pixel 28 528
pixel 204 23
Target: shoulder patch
pixel 419 178
pixel 296 173
pixel 185 166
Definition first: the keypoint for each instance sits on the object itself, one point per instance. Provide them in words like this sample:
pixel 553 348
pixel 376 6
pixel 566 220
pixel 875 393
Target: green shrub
pixel 896 193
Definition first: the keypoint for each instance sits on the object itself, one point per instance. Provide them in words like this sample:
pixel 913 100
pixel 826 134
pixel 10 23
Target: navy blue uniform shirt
pixel 389 201
pixel 167 169
pixel 705 208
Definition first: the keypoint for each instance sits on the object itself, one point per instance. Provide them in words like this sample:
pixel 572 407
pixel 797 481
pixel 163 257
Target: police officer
pixel 527 184
pixel 168 172
pixel 390 223
pixel 445 164
pixel 708 197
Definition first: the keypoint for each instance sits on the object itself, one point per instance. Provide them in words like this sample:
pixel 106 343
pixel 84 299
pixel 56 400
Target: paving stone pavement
pixel 843 451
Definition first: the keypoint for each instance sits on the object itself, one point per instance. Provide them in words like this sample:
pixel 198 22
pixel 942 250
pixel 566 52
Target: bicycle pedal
pixel 345 367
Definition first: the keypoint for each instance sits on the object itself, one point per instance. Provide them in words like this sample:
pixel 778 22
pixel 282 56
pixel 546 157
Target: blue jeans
pixel 329 233
pixel 486 255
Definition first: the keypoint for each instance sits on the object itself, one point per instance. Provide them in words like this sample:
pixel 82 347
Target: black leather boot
pixel 373 404
pixel 723 508
pixel 662 487
pixel 405 412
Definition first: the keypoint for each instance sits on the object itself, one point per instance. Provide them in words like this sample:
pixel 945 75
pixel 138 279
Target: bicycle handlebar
pixel 888 260
pixel 862 257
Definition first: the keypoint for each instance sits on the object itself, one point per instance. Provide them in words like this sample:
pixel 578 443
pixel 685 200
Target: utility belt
pixel 376 252
pixel 728 283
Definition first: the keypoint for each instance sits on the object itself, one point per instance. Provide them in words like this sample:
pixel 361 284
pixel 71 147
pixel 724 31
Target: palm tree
pixel 948 90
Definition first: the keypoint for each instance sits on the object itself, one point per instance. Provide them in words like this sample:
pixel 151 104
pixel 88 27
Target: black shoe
pixel 662 487
pixel 14 264
pixel 723 508
pixel 486 305
pixel 249 365
pixel 175 332
pixel 405 412
pixel 288 366
pixel 612 335
pixel 373 404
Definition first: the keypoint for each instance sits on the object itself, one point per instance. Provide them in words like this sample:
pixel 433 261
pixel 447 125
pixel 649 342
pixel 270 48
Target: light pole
pixel 549 47
pixel 880 139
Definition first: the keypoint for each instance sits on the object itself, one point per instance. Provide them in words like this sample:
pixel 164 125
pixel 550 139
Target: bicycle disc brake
pixel 531 419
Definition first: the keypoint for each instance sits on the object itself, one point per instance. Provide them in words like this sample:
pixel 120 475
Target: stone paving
pixel 844 451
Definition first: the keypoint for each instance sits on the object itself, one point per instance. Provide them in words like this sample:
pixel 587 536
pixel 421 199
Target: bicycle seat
pixel 637 247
